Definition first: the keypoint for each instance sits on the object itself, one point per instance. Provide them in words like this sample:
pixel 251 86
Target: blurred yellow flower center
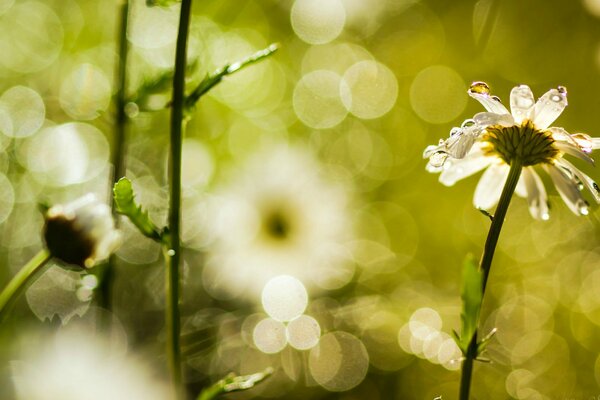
pixel 525 143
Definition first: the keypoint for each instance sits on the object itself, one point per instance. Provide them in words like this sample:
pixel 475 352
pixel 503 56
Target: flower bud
pixel 81 232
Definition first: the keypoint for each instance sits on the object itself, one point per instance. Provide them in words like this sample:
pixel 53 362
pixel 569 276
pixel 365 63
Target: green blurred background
pixel 326 139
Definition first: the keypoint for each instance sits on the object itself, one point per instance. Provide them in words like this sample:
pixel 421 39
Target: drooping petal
pixel 568 190
pixel 521 103
pixel 585 180
pixel 488 118
pixel 491 103
pixel 536 194
pixel 549 107
pixel 460 169
pixel 490 186
pixel 574 150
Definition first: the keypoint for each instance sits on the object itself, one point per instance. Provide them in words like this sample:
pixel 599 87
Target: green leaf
pixel 233 383
pixel 126 205
pixel 211 80
pixel 472 296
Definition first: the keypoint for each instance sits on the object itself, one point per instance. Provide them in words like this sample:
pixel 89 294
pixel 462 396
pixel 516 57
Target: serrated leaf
pixel 233 383
pixel 126 205
pixel 472 296
pixel 211 80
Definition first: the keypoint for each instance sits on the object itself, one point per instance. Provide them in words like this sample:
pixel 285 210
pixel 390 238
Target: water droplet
pixel 545 216
pixel 479 87
pixel 467 123
pixel 583 207
pixel 438 159
pixel 132 110
pixel 562 90
pixel 555 98
pixel 171 252
pixel 496 98
pixel 453 132
pixel 595 186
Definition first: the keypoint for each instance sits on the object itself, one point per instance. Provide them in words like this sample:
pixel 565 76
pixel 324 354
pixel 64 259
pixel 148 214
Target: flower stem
pixel 118 159
pixel 173 254
pixel 21 281
pixel 485 265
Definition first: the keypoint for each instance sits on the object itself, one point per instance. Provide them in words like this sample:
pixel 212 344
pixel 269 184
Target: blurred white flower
pixel 496 138
pixel 77 365
pixel 278 215
pixel 81 232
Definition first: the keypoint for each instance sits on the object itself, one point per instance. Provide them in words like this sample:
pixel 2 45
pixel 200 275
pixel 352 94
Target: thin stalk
pixel 118 159
pixel 485 265
pixel 21 281
pixel 173 254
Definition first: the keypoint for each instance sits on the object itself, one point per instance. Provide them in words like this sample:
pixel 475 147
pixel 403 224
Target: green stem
pixel 486 264
pixel 21 281
pixel 173 254
pixel 118 159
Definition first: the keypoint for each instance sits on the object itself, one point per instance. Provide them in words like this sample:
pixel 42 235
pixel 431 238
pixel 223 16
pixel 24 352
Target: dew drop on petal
pixel 269 336
pixel 284 298
pixel 562 90
pixel 479 87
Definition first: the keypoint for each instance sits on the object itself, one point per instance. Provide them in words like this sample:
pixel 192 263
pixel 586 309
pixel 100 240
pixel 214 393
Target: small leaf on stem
pixel 126 205
pixel 211 80
pixel 472 297
pixel 232 383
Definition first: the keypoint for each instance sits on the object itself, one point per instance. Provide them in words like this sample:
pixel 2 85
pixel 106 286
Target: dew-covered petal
pixel 574 151
pixel 490 186
pixel 583 178
pixel 536 194
pixel 491 103
pixel 549 107
pixel 521 102
pixel 462 168
pixel 568 190
pixel 488 118
pixel 595 143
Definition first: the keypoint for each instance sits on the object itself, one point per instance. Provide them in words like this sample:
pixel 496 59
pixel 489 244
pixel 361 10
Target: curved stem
pixel 486 264
pixel 118 159
pixel 173 253
pixel 21 281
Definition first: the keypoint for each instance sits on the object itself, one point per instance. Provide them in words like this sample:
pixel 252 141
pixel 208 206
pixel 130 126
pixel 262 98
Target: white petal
pixel 467 166
pixel 595 143
pixel 492 104
pixel 586 180
pixel 549 107
pixel 521 103
pixel 536 194
pixel 573 150
pixel 568 190
pixel 490 186
pixel 489 118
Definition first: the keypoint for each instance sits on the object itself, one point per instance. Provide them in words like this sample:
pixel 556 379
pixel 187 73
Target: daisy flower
pixel 496 139
pixel 279 214
pixel 82 232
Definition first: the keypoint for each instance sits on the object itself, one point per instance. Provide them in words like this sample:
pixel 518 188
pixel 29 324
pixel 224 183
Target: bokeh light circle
pixel 269 336
pixel 33 39
pixel 22 112
pixel 316 21
pixel 7 197
pixel 303 333
pixel 85 92
pixel 317 100
pixel 284 298
pixel 370 89
pixel 67 154
pixel 340 361
pixel 197 164
pixel 438 94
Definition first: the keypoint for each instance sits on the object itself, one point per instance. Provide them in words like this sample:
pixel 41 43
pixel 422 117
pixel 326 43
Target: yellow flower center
pixel 524 143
